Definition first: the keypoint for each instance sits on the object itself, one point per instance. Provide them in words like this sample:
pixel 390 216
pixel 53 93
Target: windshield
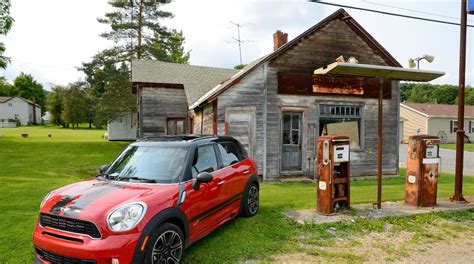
pixel 149 164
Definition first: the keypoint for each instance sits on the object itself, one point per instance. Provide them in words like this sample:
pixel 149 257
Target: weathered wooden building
pixel 275 106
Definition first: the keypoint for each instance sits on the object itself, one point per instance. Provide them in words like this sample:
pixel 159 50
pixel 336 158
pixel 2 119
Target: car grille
pixel 54 258
pixel 70 225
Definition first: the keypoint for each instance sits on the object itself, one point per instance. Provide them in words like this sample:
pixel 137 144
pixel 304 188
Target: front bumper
pixel 51 243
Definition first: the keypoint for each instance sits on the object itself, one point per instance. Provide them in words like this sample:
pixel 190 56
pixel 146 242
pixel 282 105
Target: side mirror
pixel 202 178
pixel 103 169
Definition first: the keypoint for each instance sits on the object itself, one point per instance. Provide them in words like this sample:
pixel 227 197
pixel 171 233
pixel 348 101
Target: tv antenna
pixel 238 40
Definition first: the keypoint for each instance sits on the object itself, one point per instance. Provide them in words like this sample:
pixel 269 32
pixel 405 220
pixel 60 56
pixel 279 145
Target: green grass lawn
pixel 31 167
pixel 467 147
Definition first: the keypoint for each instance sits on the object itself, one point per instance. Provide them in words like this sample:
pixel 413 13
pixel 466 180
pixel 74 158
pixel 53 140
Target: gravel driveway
pixel 448 160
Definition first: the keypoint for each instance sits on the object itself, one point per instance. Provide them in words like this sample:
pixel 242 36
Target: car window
pixel 229 153
pixel 163 165
pixel 204 160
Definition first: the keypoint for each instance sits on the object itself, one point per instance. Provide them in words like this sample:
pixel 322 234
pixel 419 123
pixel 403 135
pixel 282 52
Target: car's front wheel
pixel 166 245
pixel 251 201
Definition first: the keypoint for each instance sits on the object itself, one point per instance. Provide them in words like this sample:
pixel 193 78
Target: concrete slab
pixel 368 211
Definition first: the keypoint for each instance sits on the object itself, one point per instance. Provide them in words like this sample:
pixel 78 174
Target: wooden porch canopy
pixel 381 73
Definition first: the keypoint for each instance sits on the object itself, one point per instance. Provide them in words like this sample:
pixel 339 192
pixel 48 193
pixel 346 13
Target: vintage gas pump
pixel 422 170
pixel 333 170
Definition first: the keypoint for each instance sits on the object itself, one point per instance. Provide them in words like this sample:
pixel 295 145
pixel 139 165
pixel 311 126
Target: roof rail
pixel 191 137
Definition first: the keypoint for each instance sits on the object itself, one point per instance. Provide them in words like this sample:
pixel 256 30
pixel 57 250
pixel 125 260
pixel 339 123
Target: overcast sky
pixel 50 38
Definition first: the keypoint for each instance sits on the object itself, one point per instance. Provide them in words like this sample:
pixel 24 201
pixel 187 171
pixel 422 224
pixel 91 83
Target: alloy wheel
pixel 168 248
pixel 252 200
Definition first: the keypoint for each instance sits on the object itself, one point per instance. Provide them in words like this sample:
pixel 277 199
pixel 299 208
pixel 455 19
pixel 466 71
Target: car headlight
pixel 45 199
pixel 126 217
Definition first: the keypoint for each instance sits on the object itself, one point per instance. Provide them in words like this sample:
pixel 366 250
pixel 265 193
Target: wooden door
pixel 291 142
pixel 240 124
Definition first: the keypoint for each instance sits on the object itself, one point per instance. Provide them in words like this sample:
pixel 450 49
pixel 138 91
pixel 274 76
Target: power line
pixel 390 14
pixel 412 10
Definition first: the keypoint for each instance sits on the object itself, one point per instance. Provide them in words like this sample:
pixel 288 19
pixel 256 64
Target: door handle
pixel 246 172
pixel 221 182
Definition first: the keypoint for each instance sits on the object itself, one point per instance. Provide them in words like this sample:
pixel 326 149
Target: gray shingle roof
pixel 229 81
pixel 197 80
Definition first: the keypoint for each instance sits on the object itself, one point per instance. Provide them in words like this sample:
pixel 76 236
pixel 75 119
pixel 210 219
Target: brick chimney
pixel 279 39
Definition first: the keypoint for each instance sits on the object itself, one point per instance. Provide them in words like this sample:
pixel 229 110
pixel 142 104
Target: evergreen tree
pixel 169 47
pixel 116 100
pixel 6 22
pixel 137 32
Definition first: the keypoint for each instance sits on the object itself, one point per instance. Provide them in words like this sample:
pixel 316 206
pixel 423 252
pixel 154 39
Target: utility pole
pixel 458 197
pixel 238 40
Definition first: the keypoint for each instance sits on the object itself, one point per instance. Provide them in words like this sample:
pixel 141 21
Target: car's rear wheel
pixel 251 201
pixel 166 245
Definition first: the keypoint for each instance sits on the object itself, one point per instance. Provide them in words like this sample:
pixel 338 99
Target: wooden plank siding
pixel 159 104
pixel 414 121
pixel 318 50
pixel 249 92
pixel 255 99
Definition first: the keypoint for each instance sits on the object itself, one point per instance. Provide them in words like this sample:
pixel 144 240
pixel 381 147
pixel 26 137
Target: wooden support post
pixel 458 197
pixel 379 147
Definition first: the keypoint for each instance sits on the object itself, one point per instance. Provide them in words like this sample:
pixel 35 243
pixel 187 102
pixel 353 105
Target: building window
pixel 176 126
pixel 342 120
pixel 291 128
pixel 10 104
pixel 471 126
pixel 454 126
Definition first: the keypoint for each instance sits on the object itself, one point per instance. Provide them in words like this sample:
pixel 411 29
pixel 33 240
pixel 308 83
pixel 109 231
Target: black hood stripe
pixel 74 203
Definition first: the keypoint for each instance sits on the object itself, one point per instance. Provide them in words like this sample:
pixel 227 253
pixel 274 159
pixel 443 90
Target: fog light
pixel 115 261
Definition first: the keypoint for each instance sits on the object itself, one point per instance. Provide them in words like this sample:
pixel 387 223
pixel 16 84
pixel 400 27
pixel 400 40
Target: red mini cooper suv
pixel 158 197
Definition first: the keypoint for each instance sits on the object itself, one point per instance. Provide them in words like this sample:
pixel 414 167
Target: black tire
pixel 250 200
pixel 166 245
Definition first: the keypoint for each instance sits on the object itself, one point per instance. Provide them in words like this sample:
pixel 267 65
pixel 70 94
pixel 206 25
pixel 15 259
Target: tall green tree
pixel 74 105
pixel 27 87
pixel 116 100
pixel 5 87
pixel 429 93
pixel 55 105
pixel 6 22
pixel 137 32
pixel 169 47
pixel 100 71
pixel 469 97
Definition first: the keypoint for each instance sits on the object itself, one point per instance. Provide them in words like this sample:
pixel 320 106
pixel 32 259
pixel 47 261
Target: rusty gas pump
pixel 333 161
pixel 422 170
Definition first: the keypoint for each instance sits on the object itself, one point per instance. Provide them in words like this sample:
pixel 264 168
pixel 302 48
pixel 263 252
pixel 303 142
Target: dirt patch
pixel 442 241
